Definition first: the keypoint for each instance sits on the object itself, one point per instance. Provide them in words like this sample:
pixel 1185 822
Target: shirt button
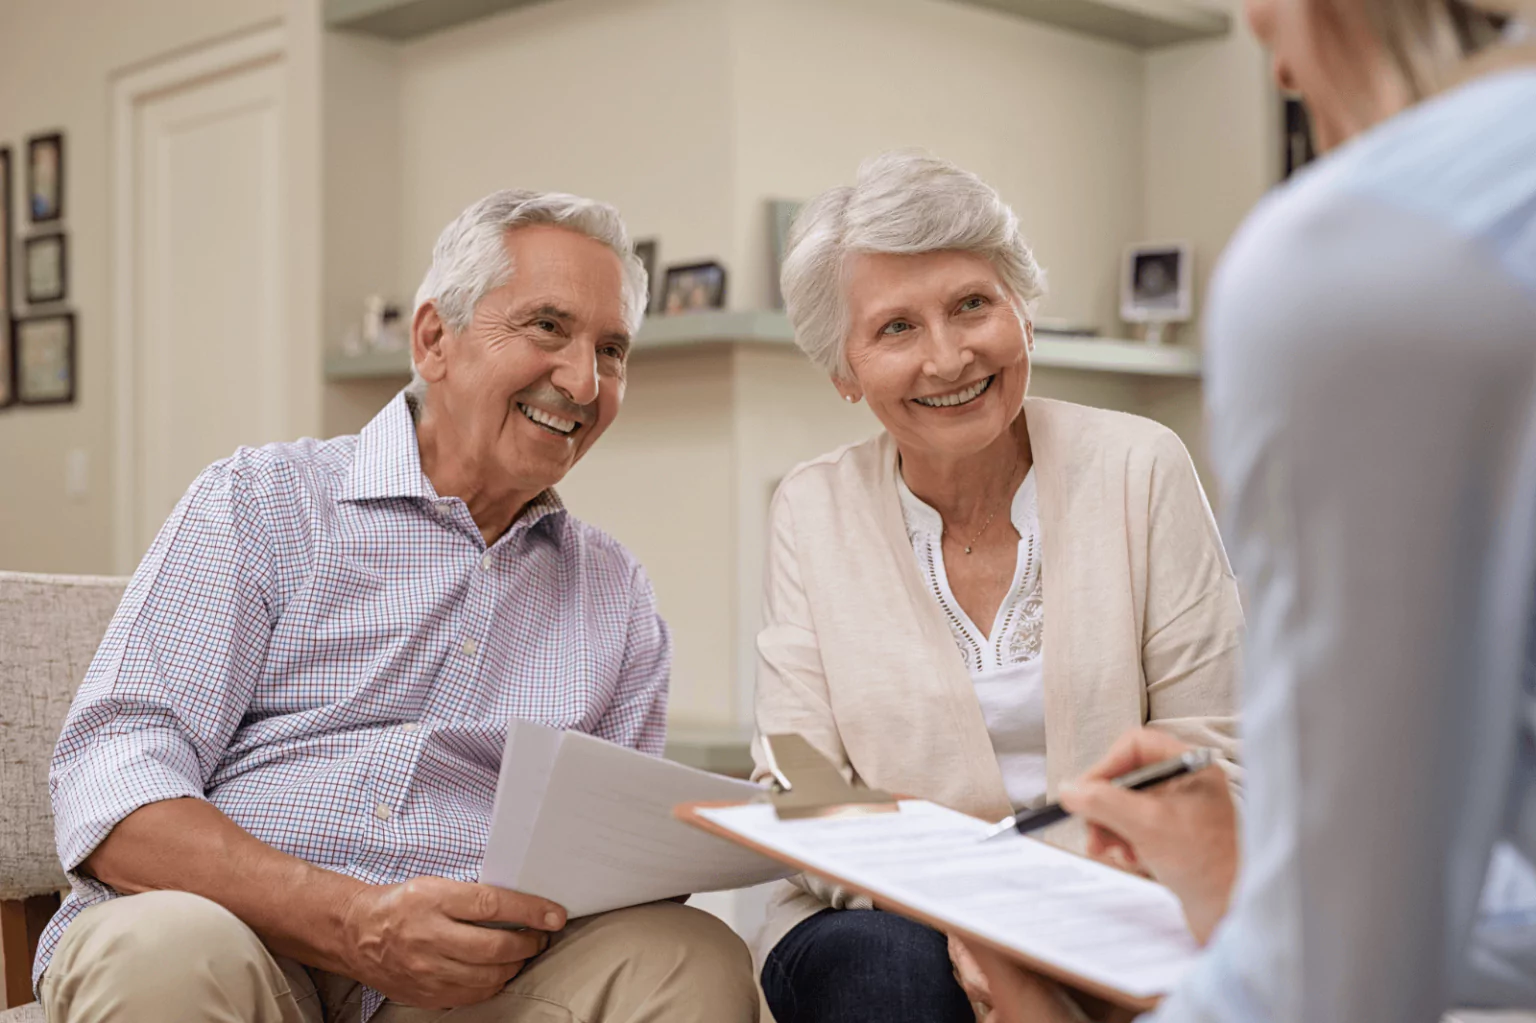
pixel 442 509
pixel 485 563
pixel 469 648
pixel 409 726
pixel 382 811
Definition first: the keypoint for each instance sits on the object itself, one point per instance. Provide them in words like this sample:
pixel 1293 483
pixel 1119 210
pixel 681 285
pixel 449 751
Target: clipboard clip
pixel 806 784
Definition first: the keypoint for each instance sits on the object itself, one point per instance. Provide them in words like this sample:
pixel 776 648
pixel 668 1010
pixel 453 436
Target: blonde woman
pixel 1373 416
pixel 971 606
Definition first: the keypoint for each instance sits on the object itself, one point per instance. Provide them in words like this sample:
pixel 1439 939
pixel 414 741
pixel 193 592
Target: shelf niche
pixel 1140 24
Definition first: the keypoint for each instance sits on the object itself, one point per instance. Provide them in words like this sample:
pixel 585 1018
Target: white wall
pixel 57 59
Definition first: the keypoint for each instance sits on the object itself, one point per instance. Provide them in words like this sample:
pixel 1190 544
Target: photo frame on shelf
pixel 43 355
pixel 781 217
pixel 1296 145
pixel 1157 286
pixel 693 287
pixel 646 250
pixel 7 247
pixel 45 268
pixel 45 177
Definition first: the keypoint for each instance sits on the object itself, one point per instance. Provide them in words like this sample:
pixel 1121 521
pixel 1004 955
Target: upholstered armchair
pixel 50 626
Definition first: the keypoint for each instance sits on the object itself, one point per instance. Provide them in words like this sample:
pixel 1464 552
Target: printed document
pixel 1086 919
pixel 589 825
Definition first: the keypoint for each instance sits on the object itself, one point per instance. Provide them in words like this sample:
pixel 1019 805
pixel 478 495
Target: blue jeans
pixel 863 966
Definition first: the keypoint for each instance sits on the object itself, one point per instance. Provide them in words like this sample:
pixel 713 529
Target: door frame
pixel 213 60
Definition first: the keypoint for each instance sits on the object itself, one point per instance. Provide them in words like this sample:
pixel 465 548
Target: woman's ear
pixel 848 389
pixel 427 333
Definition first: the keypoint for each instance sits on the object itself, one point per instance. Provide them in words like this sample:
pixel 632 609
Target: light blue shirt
pixel 1372 389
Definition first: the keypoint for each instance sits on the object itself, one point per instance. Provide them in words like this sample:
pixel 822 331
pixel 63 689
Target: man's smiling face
pixel 538 374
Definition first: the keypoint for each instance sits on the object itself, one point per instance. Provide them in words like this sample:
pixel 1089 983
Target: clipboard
pixel 806 792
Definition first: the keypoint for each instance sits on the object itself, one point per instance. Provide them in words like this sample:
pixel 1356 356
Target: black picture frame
pixel 710 275
pixel 38 296
pixel 63 394
pixel 7 362
pixel 45 210
pixel 7 243
pixel 1296 143
pixel 646 250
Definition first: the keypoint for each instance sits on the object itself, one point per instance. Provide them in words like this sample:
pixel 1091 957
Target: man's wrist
pixel 328 900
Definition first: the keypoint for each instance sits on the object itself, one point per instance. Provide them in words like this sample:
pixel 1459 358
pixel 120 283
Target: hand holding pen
pixel 1183 833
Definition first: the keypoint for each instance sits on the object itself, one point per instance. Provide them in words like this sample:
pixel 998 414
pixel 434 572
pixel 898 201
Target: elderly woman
pixel 973 605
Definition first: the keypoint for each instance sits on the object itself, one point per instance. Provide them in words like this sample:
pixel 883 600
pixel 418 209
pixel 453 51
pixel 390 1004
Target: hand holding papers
pixel 589 825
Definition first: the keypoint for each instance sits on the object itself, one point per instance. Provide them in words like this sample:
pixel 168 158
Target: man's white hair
pixel 470 257
pixel 902 202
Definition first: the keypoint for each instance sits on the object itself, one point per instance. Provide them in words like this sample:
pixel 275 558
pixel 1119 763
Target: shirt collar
pixel 387 462
pixel 921 517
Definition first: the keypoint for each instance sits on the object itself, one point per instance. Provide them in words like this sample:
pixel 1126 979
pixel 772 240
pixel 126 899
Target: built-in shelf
pixel 722 751
pixel 664 332
pixel 1144 24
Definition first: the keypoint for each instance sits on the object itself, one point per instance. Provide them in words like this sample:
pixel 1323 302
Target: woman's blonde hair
pixel 1429 41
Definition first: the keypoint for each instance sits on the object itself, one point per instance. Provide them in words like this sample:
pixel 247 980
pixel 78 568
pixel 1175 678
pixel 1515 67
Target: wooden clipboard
pixel 688 813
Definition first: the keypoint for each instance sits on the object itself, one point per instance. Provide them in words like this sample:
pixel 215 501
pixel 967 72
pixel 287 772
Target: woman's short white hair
pixel 903 202
pixel 470 258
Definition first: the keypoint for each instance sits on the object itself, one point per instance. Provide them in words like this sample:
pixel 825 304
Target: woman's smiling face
pixel 938 347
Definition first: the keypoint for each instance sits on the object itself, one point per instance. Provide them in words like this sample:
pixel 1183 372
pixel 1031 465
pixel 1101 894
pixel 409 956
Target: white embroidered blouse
pixel 1006 663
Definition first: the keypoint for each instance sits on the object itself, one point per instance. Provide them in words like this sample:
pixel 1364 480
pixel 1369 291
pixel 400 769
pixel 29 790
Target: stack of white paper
pixel 589 825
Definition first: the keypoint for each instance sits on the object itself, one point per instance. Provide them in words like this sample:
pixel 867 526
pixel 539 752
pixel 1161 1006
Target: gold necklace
pixel 987 523
pixel 980 531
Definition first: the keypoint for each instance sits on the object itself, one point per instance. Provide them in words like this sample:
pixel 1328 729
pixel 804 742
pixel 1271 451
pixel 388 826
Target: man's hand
pixel 1182 832
pixel 420 944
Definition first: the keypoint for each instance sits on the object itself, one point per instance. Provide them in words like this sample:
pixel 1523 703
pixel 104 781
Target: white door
pixel 206 306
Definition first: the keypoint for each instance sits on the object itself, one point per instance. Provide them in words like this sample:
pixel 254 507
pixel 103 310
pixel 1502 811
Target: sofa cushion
pixel 51 626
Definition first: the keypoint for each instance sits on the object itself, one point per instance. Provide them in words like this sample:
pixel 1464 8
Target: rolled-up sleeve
pixel 175 672
pixel 638 716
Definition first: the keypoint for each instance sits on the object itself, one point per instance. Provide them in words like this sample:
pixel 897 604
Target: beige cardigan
pixel 1142 622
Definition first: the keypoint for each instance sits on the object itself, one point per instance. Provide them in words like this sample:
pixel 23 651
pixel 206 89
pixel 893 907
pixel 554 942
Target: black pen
pixel 1141 778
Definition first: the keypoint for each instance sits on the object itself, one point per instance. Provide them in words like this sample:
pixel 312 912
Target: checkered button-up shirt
pixel 326 650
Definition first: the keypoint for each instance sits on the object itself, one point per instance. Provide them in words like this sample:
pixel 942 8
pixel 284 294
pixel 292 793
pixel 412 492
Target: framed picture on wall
pixel 7 366
pixel 7 241
pixel 45 177
pixel 46 268
pixel 43 352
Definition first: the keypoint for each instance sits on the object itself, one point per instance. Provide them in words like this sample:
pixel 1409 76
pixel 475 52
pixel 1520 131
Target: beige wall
pixel 56 62
pixel 624 100
pixel 1050 118
pixel 1212 133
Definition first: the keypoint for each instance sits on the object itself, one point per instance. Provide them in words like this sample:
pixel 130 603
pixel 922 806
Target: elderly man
pixel 274 788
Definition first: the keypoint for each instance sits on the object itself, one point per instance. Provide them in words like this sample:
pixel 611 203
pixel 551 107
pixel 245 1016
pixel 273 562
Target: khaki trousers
pixel 178 957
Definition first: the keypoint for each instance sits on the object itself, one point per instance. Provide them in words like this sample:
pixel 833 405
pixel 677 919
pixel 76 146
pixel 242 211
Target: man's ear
pixel 427 335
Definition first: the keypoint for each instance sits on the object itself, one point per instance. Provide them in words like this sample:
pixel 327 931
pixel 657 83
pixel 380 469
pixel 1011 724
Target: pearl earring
pixel 849 398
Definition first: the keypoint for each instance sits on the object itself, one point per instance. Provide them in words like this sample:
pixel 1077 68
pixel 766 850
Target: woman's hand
pixel 969 975
pixel 1015 994
pixel 1183 832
